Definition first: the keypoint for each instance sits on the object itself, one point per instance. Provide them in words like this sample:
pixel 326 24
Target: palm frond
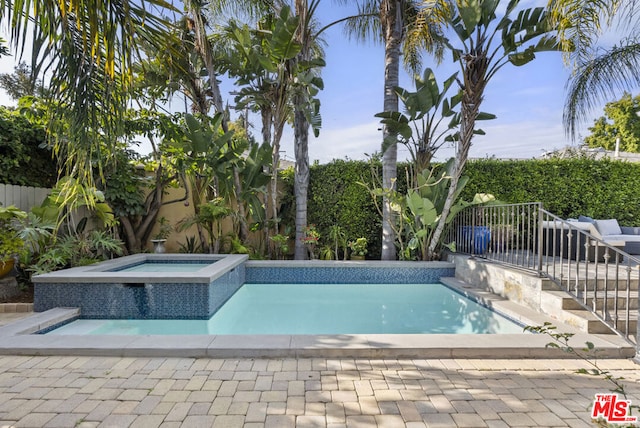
pixel 89 48
pixel 244 11
pixel 579 24
pixel 598 80
pixel 424 31
pixel 365 25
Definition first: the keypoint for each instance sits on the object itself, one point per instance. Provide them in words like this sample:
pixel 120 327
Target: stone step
pixel 586 321
pixel 562 306
pixel 621 300
pixel 609 284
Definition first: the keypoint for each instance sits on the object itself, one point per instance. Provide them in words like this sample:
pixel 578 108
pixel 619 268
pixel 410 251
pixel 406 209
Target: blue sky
pixel 527 101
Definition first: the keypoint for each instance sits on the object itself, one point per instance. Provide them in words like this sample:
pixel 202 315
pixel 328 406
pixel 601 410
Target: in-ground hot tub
pixel 144 286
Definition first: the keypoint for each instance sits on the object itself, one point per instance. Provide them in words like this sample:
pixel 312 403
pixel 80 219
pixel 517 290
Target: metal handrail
pixel 602 277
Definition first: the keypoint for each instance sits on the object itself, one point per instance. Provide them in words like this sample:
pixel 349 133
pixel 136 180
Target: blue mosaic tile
pixel 224 287
pixel 346 275
pixel 140 301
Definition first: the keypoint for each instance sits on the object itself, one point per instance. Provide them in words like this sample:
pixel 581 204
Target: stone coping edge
pixel 17 339
pixel 104 272
pixel 11 308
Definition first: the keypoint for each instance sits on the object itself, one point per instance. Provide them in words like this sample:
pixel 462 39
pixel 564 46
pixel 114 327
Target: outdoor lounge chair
pixel 556 237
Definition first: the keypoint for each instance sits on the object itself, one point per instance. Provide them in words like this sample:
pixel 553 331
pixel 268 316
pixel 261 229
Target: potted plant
pixel 281 245
pixel 358 248
pixel 161 236
pixel 11 244
pixel 310 240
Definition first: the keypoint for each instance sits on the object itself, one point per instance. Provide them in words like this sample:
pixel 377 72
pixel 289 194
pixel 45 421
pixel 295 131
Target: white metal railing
pixel 603 278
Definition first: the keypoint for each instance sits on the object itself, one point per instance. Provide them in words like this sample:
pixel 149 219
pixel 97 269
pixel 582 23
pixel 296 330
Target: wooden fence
pixel 22 197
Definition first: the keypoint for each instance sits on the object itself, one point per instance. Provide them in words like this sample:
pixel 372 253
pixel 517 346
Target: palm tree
pixel 390 21
pixel 475 25
pixel 306 110
pixel 598 74
pixel 89 48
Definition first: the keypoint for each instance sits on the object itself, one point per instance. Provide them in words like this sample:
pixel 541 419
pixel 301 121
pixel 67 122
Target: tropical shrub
pixel 24 158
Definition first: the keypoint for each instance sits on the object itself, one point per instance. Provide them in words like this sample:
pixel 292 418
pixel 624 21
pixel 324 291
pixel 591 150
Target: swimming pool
pixel 22 338
pixel 289 309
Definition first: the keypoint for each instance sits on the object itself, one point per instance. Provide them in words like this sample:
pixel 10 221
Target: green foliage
pixel 11 243
pixel 620 121
pixel 165 229
pixel 425 110
pixel 339 238
pixel 358 247
pixel 281 245
pixel 21 83
pixel 209 216
pixel 4 50
pixel 124 184
pixel 566 187
pixel 420 208
pixel 69 195
pixel 24 158
pixel 190 245
pixel 76 250
pixel 336 198
pixel 233 245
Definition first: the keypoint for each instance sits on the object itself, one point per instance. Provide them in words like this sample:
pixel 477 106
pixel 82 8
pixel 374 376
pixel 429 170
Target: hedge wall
pixel 567 188
pixel 336 198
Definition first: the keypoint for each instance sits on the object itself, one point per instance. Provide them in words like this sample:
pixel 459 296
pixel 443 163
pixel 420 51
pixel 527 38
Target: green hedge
pixel 567 188
pixel 336 198
pixel 23 160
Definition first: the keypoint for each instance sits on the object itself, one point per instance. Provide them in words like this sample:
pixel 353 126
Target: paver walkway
pixel 184 392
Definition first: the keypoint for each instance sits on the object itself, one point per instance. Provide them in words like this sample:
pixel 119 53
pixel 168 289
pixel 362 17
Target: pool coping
pixel 17 339
pixel 103 271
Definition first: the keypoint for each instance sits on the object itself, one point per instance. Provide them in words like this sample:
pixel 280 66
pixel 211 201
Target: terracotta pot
pixel 5 267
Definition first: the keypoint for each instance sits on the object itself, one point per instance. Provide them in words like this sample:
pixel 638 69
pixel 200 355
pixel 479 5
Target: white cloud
pixel 339 143
pixel 522 139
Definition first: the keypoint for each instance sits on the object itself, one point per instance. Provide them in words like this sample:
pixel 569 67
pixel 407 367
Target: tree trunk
pixel 301 133
pixel 391 19
pixel 474 82
pixel 301 176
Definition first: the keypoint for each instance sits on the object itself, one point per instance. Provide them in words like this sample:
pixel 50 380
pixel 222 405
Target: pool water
pixel 325 309
pixel 153 266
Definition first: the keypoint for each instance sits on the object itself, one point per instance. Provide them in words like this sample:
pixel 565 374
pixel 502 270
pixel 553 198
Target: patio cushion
pixel 585 219
pixel 608 227
pixel 625 238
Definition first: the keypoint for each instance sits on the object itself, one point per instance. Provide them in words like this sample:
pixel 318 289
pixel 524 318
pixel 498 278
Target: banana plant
pixel 204 154
pixel 481 45
pixel 261 60
pixel 421 209
pixel 430 119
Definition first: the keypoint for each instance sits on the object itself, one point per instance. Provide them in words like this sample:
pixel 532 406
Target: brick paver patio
pixel 185 392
